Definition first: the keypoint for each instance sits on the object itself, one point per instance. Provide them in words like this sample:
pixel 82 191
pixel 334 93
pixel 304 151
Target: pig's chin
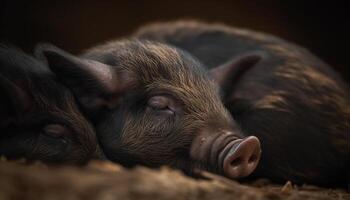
pixel 227 155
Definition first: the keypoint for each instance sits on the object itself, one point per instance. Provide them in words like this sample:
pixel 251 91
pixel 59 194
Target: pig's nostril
pixel 252 159
pixel 236 162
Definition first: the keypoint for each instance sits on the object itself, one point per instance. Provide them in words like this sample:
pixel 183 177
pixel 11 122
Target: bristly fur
pixel 159 68
pixel 128 129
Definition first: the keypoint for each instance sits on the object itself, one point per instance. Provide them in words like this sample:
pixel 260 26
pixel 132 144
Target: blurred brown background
pixel 75 25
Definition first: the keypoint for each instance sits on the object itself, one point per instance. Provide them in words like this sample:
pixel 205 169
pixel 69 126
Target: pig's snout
pixel 240 157
pixel 226 154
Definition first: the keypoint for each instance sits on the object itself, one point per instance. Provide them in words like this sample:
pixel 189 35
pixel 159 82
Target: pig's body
pixel 39 117
pixel 293 102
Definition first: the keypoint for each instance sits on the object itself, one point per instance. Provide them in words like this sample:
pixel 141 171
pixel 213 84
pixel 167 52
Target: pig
pixel 39 117
pixel 295 103
pixel 153 104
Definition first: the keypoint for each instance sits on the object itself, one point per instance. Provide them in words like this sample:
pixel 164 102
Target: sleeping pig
pixel 39 119
pixel 296 104
pixel 154 104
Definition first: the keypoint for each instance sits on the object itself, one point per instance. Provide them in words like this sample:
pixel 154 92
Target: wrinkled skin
pixel 155 105
pixel 292 101
pixel 39 119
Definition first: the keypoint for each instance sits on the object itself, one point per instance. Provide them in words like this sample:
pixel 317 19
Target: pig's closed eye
pixel 161 103
pixel 55 131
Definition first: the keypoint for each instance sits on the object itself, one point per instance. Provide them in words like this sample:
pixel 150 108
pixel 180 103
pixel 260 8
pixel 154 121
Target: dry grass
pixel 107 181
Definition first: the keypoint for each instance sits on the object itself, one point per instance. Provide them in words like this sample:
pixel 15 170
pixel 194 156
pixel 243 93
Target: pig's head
pixel 39 117
pixel 155 105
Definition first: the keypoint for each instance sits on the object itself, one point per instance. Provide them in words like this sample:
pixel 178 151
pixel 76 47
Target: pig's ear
pixel 227 75
pixel 15 96
pixel 96 85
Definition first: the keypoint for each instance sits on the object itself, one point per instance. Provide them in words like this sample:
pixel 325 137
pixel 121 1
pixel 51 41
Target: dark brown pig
pixel 39 119
pixel 155 105
pixel 296 104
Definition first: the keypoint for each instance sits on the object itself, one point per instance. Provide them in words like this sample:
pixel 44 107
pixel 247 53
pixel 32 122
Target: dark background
pixel 320 26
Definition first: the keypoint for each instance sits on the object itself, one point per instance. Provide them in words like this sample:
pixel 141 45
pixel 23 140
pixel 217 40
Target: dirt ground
pixel 108 181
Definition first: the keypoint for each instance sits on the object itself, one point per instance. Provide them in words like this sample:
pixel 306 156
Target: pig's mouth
pixel 228 155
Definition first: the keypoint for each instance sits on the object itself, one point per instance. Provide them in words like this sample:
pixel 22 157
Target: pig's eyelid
pixel 169 95
pixel 54 129
pixel 159 93
pixel 157 105
pixel 162 92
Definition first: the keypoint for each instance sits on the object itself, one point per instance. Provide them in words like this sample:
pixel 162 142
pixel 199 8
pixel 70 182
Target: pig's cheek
pixel 159 122
pixel 111 126
pixel 56 147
